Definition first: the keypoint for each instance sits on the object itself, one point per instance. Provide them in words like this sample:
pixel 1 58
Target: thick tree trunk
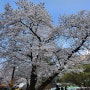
pixel 49 80
pixel 33 78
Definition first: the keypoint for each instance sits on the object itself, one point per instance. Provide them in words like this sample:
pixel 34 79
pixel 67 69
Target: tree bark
pixel 33 79
pixel 49 80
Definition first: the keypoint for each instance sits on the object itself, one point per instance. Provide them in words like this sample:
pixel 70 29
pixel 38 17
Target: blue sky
pixel 57 7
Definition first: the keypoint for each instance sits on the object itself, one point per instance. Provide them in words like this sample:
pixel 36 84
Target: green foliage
pixel 79 79
pixel 87 68
pixel 58 79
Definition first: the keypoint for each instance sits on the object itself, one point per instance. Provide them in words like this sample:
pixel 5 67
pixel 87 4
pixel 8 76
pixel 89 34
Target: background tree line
pixel 79 79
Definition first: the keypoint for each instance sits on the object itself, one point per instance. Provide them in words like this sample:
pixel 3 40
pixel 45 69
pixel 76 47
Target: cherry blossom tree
pixel 30 42
pixel 23 41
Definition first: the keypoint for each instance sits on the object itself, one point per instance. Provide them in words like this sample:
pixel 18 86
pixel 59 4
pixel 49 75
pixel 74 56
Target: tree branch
pixel 31 30
pixel 78 48
pixel 49 80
